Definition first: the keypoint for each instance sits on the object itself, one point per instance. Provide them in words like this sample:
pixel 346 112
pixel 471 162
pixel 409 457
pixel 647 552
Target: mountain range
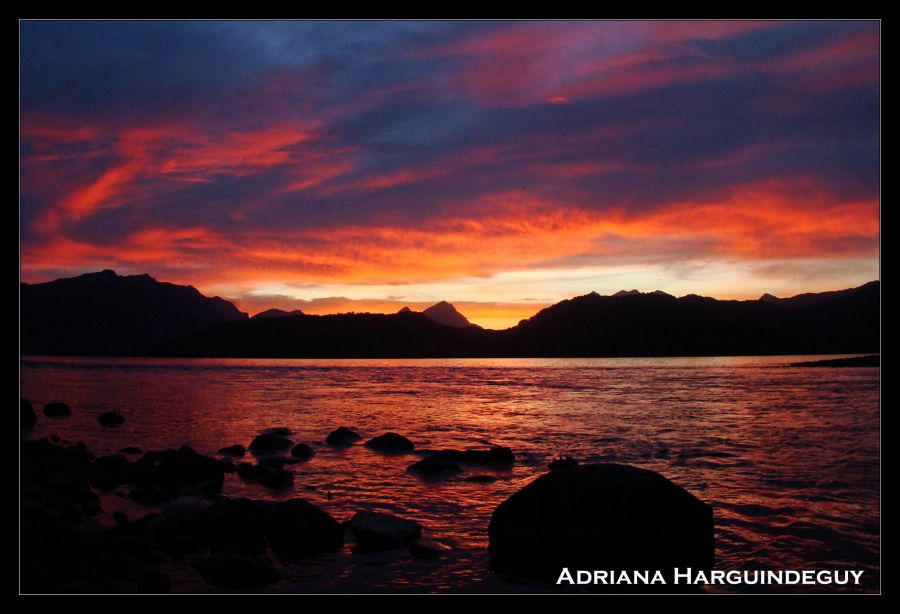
pixel 107 314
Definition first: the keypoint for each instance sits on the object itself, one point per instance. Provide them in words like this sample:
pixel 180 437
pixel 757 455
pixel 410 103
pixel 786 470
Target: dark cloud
pixel 271 128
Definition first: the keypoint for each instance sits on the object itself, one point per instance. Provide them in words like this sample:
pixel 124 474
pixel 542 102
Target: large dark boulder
pixel 379 531
pixel 27 417
pixel 237 571
pixel 236 524
pixel 268 444
pixel 57 410
pixel 342 436
pixel 602 516
pixel 297 528
pixel 390 442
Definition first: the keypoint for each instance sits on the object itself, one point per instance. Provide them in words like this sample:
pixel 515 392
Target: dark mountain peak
pixel 446 314
pixel 769 298
pixel 626 293
pixel 276 313
pixel 104 313
pixel 405 310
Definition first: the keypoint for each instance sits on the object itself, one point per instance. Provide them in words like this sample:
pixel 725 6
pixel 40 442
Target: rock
pixel 278 431
pixel 131 450
pixel 277 479
pixel 251 472
pixel 563 463
pixel 188 469
pixel 297 528
pixel 110 471
pixel 111 418
pixel 27 417
pixel 390 442
pixel 379 531
pixel 120 518
pixel 434 466
pixel 149 495
pixel 235 450
pixel 267 444
pixel 428 549
pixel 602 516
pixel 491 456
pixel 181 516
pixel 236 524
pixel 153 581
pixel 180 546
pixel 302 451
pixel 57 410
pixel 237 571
pixel 342 436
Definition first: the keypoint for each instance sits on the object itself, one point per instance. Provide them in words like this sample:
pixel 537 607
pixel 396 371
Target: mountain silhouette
pixel 276 313
pixel 107 314
pixel 446 314
pixel 104 314
pixel 652 324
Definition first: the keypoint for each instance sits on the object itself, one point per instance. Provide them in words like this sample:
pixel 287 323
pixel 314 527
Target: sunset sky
pixel 502 166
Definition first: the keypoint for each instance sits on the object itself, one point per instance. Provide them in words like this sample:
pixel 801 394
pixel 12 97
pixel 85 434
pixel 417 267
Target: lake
pixel 788 457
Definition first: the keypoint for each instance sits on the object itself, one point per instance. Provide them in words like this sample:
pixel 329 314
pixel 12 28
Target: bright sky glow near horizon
pixel 502 166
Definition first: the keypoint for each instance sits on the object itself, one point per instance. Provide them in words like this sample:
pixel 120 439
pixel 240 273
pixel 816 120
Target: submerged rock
pixel 492 456
pixel 297 528
pixel 235 450
pixel 277 479
pixel 379 531
pixel 428 549
pixel 237 571
pixel 267 444
pixel 111 418
pixel 342 436
pixel 27 417
pixel 57 410
pixel 251 472
pixel 562 463
pixel 434 466
pixel 278 431
pixel 302 451
pixel 602 516
pixel 390 442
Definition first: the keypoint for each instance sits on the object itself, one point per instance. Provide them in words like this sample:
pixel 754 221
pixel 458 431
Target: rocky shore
pixel 574 515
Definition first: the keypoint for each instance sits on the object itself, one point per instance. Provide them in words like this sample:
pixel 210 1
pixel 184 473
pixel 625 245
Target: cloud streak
pixel 236 155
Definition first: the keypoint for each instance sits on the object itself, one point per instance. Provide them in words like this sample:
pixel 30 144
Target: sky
pixel 502 166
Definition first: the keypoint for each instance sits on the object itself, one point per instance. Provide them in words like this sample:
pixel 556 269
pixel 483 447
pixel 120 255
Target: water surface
pixel 788 457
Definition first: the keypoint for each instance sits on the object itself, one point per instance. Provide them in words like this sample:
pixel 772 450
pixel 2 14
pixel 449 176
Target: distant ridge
pixel 641 324
pixel 276 313
pixel 105 314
